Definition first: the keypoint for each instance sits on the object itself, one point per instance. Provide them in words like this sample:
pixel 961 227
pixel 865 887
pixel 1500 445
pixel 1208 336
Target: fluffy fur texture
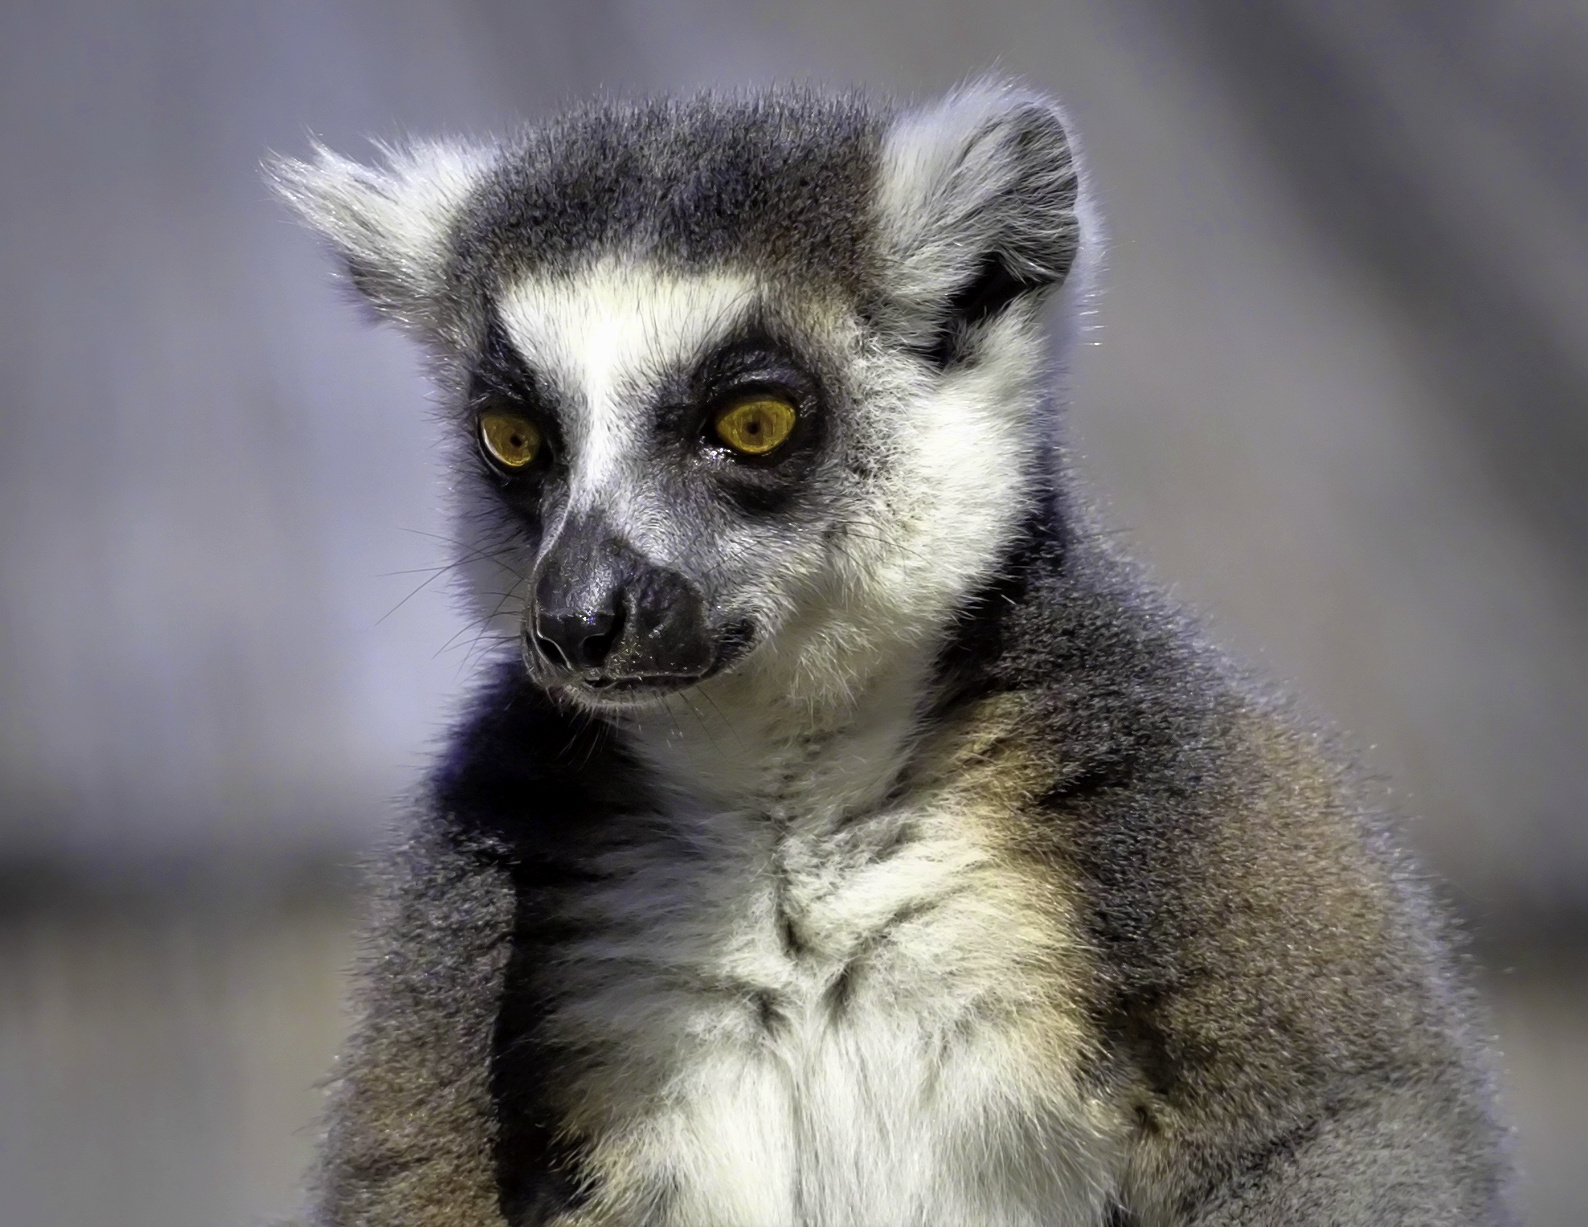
pixel 954 880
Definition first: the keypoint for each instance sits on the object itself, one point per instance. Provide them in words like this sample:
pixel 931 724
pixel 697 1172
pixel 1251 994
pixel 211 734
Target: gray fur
pixel 412 1099
pixel 968 884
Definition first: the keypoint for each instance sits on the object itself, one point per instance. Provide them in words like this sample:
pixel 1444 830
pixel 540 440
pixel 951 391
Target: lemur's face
pixel 681 473
pixel 666 462
pixel 743 389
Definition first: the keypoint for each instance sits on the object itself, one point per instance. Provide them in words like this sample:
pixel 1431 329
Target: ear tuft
pixel 978 205
pixel 389 223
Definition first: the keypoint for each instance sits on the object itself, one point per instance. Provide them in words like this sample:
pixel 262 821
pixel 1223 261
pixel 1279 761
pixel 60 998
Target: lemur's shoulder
pixel 1266 948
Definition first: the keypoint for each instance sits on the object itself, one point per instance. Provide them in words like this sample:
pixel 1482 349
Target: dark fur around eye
pixel 501 369
pixel 756 361
pixel 502 380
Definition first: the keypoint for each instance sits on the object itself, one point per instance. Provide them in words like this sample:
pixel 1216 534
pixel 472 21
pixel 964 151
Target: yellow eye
pixel 756 426
pixel 511 440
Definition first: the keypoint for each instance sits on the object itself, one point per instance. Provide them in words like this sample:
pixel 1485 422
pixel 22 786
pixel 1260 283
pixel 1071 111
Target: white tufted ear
pixel 978 206
pixel 389 223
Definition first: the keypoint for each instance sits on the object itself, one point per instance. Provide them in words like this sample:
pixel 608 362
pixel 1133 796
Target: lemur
pixel 844 834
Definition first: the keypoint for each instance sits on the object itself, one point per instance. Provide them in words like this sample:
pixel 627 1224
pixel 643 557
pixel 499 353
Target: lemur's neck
pixel 737 742
pixel 730 744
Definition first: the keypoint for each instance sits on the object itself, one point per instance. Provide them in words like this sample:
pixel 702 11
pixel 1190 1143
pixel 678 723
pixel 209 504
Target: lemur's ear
pixel 978 207
pixel 389 223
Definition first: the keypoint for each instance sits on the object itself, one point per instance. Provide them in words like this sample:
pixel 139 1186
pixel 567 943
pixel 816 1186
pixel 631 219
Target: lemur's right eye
pixel 511 441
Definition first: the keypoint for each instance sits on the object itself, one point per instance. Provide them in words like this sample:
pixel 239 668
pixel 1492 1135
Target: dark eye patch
pixel 753 360
pixel 501 370
pixel 754 356
pixel 502 379
pixel 682 403
pixel 503 383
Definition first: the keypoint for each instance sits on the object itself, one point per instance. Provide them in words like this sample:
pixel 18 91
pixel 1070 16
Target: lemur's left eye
pixel 756 425
pixel 511 440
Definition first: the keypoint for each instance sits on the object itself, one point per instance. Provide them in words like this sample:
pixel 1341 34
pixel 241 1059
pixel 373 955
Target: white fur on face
pixel 605 337
pixel 600 338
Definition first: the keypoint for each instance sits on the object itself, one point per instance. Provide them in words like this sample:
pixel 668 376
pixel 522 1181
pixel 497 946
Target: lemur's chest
pixel 807 1022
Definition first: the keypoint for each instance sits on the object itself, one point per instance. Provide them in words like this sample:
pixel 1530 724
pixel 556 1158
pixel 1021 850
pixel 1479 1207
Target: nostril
pixel 597 644
pixel 576 639
pixel 549 649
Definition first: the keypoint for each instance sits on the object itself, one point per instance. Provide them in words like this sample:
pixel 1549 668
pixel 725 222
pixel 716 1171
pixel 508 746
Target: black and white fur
pixel 950 879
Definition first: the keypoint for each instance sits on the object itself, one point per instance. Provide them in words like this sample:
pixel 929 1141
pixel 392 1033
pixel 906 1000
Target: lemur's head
pixel 743 387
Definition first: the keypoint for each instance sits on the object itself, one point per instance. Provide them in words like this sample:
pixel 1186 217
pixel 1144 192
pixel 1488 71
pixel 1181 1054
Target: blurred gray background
pixel 1336 391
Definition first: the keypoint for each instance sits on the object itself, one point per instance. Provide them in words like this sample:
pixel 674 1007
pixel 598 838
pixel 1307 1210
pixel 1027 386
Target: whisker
pixel 435 575
pixel 467 626
pixel 700 720
pixel 472 552
pixel 728 724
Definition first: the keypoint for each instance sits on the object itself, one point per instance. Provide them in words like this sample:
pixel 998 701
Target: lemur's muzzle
pixel 606 618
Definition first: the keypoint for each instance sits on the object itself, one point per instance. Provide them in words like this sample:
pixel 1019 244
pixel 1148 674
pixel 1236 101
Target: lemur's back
pixel 849 838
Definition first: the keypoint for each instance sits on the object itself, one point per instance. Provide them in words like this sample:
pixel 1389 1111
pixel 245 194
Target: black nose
pixel 609 616
pixel 577 638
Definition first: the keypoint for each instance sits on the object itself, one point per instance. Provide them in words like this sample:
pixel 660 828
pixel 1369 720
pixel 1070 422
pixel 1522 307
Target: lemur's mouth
pixel 604 691
pixel 631 688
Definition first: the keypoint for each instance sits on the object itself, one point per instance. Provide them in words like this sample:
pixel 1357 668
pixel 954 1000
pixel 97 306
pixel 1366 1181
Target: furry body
pixel 958 882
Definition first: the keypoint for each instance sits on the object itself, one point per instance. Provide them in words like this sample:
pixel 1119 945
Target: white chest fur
pixel 806 1020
